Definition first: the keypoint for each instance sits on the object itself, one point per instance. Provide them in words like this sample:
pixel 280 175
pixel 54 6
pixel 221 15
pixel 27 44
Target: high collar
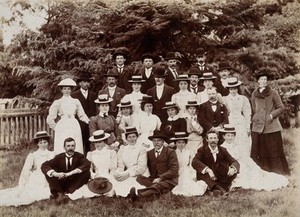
pixel 266 92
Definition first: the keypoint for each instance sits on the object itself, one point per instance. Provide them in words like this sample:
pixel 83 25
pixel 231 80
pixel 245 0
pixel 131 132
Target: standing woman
pixel 267 146
pixel 239 111
pixel 33 185
pixel 65 110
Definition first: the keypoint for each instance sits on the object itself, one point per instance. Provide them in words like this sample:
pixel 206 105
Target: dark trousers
pixel 224 183
pixel 85 136
pixel 69 184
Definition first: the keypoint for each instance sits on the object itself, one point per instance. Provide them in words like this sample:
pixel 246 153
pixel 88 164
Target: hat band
pixel 192 103
pixel 99 136
pixel 102 100
pixel 232 83
pixel 125 103
pixel 229 129
pixel 42 135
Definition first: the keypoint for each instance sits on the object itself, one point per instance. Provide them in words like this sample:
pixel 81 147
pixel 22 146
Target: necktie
pixel 68 163
pixel 156 153
pixel 104 115
pixel 175 73
pixel 120 70
pixel 194 89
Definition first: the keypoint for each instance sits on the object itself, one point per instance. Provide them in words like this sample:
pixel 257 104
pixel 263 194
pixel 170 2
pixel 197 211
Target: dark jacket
pixel 89 106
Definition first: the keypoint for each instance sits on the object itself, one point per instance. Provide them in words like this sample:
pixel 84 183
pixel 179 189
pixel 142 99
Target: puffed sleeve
pixel 247 111
pixel 141 165
pixel 113 161
pixel 26 170
pixel 80 112
pixel 53 112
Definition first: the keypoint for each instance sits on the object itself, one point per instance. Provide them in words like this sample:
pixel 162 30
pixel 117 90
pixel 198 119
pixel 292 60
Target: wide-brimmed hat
pixel 263 72
pixel 149 56
pixel 99 185
pixel 124 104
pixel 84 77
pixel 207 76
pixel 192 104
pixel 182 78
pixel 233 82
pixel 147 99
pixel 194 71
pixel 103 99
pixel 158 134
pixel 159 72
pixel 170 105
pixel 227 129
pixel 171 56
pixel 99 135
pixel 136 79
pixel 179 136
pixel 110 73
pixel 67 82
pixel 41 135
pixel 129 130
pixel 223 66
pixel 200 52
pixel 121 51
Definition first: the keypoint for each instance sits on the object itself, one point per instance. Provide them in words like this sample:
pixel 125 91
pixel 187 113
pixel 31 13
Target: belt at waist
pixel 67 116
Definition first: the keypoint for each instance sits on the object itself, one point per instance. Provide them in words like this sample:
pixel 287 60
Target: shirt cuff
pixel 235 170
pixel 204 170
pixel 49 173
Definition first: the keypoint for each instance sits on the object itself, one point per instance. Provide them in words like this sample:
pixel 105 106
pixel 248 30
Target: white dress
pixel 104 163
pixel 134 98
pixel 146 124
pixel 239 110
pixel 194 130
pixel 66 108
pixel 132 159
pixel 251 176
pixel 181 98
pixel 33 185
pixel 187 182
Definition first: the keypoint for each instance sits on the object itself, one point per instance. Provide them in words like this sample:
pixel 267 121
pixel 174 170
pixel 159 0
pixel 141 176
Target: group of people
pixel 156 131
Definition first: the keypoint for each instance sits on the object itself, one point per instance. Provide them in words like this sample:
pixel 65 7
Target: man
pixel 147 72
pixel 161 93
pixel 86 98
pixel 66 172
pixel 124 72
pixel 215 166
pixel 113 91
pixel 224 72
pixel 163 167
pixel 171 71
pixel 212 114
pixel 194 86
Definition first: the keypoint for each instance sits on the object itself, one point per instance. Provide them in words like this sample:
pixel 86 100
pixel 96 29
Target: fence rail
pixel 17 126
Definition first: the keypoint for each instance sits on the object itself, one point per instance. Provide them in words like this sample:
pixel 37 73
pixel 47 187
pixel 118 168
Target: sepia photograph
pixel 150 108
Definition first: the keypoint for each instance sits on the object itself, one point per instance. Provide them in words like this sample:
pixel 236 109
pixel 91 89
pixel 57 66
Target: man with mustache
pixel 215 166
pixel 66 172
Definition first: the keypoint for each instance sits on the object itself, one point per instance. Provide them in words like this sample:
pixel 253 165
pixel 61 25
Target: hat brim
pixel 133 81
pixel 227 131
pixel 208 78
pixel 234 85
pixel 111 75
pixel 99 191
pixel 173 106
pixel 103 102
pixel 195 105
pixel 179 138
pixel 41 137
pixel 124 106
pixel 158 137
pixel 106 135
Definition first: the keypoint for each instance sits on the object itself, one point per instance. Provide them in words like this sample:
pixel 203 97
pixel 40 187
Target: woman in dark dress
pixel 267 146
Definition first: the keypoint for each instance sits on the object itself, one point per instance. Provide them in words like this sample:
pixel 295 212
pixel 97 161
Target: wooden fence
pixel 21 125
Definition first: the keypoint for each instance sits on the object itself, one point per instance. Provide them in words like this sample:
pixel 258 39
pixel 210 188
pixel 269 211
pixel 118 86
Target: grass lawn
pixel 282 202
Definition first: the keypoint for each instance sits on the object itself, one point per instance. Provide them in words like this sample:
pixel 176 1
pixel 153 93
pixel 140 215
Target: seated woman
pixel 174 123
pixel 33 185
pixel 103 164
pixel 132 161
pixel 251 176
pixel 187 182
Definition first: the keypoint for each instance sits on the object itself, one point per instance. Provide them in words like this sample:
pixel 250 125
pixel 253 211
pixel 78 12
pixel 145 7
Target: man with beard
pixel 215 166
pixel 66 172
pixel 171 70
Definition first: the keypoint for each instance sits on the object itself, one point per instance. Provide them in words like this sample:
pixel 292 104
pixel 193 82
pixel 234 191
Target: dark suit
pixel 165 166
pixel 118 95
pixel 90 109
pixel 198 90
pixel 170 79
pixel 159 103
pixel 204 158
pixel 71 183
pixel 149 82
pixel 126 74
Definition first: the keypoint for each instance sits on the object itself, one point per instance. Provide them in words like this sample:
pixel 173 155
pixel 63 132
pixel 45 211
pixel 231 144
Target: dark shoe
pixel 62 199
pixel 222 190
pixel 132 194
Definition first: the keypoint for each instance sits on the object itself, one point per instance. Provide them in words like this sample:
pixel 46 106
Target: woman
pixel 250 176
pixel 183 95
pixel 65 110
pixel 267 147
pixel 132 161
pixel 187 184
pixel 33 185
pixel 239 110
pixel 135 96
pixel 146 122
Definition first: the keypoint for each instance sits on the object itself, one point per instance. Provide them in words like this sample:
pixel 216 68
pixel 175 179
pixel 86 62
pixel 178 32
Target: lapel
pixel 209 155
pixel 163 152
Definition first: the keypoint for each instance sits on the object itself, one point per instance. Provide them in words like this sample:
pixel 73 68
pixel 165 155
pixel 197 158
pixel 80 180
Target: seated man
pixel 215 166
pixel 66 172
pixel 163 167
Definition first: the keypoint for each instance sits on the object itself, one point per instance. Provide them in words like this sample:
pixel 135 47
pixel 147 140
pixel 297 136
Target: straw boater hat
pixel 223 66
pixel 159 72
pixel 41 135
pixel 233 82
pixel 124 104
pixel 171 56
pixel 103 99
pixel 99 185
pixel 136 79
pixel 158 134
pixel 228 129
pixel 179 136
pixel 130 130
pixel 182 78
pixel 207 76
pixel 99 135
pixel 170 105
pixel 67 82
pixel 192 104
